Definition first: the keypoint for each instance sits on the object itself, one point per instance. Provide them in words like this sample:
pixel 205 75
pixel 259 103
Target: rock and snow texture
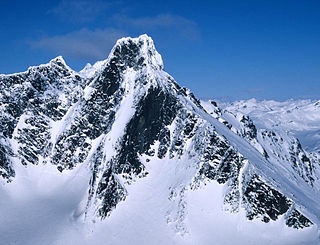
pixel 301 118
pixel 119 153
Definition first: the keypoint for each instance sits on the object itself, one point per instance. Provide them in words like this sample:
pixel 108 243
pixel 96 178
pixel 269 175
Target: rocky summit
pixel 158 166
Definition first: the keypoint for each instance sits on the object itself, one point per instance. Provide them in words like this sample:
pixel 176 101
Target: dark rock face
pixel 6 169
pixel 301 163
pixel 250 129
pixel 111 191
pixel 14 97
pixel 35 99
pixel 94 117
pixel 221 162
pixel 53 115
pixel 33 138
pixel 156 111
pixel 297 220
pixel 265 202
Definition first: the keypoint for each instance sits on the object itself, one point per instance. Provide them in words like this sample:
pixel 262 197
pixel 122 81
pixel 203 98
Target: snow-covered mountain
pixel 301 118
pixel 119 153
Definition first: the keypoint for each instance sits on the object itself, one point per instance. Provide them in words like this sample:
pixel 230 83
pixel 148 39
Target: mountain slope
pixel 144 143
pixel 299 117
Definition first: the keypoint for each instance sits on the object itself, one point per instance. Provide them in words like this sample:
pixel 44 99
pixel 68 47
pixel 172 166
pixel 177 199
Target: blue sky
pixel 219 49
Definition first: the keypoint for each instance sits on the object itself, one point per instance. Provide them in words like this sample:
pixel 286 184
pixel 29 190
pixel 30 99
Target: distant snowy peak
pixel 89 70
pixel 301 118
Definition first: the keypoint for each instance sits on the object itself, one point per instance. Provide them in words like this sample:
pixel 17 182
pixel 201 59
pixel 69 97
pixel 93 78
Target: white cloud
pixel 94 44
pixel 179 24
pixel 84 44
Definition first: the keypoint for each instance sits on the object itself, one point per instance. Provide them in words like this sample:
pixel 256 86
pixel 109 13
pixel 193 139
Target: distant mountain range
pixel 301 118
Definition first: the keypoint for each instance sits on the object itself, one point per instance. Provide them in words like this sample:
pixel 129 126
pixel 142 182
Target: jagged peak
pixel 144 38
pixel 56 63
pixel 142 46
pixel 58 60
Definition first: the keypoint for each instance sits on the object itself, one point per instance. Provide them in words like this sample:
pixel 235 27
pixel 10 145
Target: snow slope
pixel 299 117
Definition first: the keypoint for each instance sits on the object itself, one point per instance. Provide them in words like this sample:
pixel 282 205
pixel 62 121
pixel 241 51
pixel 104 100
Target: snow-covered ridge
pixel 301 118
pixel 57 62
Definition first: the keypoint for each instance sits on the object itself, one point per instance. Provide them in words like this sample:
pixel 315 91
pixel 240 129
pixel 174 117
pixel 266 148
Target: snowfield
pixel 48 210
pixel 299 117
